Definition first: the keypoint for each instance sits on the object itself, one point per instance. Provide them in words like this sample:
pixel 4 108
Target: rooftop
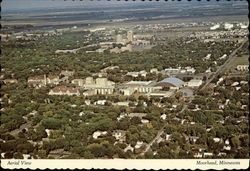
pixel 172 80
pixel 142 83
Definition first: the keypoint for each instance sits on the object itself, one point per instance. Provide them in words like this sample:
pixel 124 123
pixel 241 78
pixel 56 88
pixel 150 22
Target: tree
pixel 149 154
pixel 52 123
pixel 135 120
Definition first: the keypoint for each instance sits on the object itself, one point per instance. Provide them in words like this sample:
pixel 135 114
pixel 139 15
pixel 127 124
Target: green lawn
pixel 243 60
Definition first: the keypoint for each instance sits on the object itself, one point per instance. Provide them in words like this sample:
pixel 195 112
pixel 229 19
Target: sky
pixel 26 6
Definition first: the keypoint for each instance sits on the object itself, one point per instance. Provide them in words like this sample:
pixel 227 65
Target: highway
pixel 222 67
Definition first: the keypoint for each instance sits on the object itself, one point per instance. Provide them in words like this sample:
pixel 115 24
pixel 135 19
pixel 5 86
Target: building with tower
pixel 130 36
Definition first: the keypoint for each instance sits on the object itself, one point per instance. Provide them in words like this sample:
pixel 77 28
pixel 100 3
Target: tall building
pixel 130 36
pixel 102 81
pixel 119 38
pixel 89 81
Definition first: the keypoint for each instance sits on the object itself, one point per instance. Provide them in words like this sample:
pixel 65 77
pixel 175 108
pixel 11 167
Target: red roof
pixel 64 89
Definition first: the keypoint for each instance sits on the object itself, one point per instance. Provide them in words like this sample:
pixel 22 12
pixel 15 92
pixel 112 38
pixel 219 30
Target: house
pixel 193 139
pixel 143 73
pixel 37 81
pixel 97 134
pixel 26 156
pixel 119 135
pixel 122 103
pixel 140 115
pixel 198 155
pixel 207 57
pixel 129 148
pixel 63 90
pixel 138 144
pixel 220 154
pixel 100 102
pixel 207 154
pixel 133 74
pixel 227 142
pixel 216 140
pixel 227 147
pixel 168 137
pixel 194 83
pixel 223 57
pixel 144 121
pixel 121 116
pixel 163 116
pixel 235 84
pixel 10 81
pixel 243 82
pixel 154 70
pixel 52 79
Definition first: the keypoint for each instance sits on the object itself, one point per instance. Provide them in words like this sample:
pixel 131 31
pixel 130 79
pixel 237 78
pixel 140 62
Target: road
pixel 222 67
pixel 220 70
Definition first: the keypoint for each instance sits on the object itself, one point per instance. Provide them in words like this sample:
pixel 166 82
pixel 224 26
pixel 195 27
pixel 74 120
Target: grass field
pixel 243 60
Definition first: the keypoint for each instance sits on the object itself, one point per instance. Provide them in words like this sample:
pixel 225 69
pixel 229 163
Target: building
pixel 141 42
pixel 130 36
pixel 10 81
pixel 37 81
pixel 128 47
pixel 78 82
pixel 52 79
pixel 215 27
pixel 242 67
pixel 172 83
pixel 119 135
pixel 63 90
pixel 228 26
pixel 194 83
pixel 133 74
pixel 115 50
pixel 97 134
pixel 67 73
pixel 98 86
pixel 161 93
pixel 139 86
pixel 119 38
pixel 154 70
pixel 172 70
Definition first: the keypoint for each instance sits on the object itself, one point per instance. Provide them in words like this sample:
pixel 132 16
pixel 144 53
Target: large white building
pixel 139 86
pixel 98 86
pixel 215 27
pixel 228 26
pixel 194 83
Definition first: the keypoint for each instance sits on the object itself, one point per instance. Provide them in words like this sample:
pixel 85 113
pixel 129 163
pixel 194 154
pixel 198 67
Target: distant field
pixel 243 60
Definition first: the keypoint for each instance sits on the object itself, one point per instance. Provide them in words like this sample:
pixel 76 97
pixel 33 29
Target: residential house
pixel 52 79
pixel 37 81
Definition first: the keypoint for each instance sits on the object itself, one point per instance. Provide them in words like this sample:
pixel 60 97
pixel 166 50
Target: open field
pixel 243 60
